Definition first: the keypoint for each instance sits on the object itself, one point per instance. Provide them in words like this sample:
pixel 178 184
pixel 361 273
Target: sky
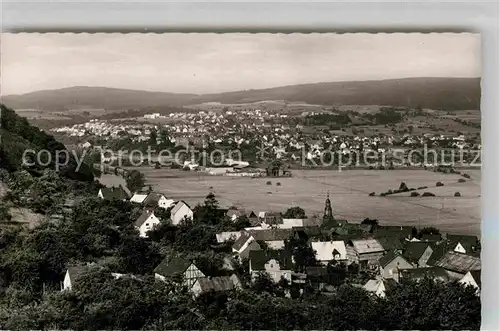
pixel 209 63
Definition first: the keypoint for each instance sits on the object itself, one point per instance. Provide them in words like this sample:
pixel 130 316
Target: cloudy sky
pixel 206 63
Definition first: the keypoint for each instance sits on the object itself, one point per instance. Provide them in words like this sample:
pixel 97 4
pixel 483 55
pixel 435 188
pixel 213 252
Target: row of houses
pixel 454 257
pixel 179 209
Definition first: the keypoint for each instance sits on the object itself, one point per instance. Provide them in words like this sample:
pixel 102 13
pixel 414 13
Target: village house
pixel 276 263
pixel 391 264
pixel 146 222
pixel 380 286
pixel 215 284
pixel 327 251
pixel 463 244
pixel 180 211
pixel 418 253
pixel 112 193
pixel 472 278
pixel 365 252
pixel 178 269
pixel 244 244
pixel 458 264
pixel 273 238
pixel 157 200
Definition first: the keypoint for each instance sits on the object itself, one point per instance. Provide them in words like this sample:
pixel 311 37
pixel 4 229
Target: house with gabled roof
pixel 146 222
pixel 472 278
pixel 180 211
pixel 327 251
pixel 391 264
pixel 276 263
pixel 380 286
pixel 418 253
pixel 364 251
pixel 215 284
pixel 177 269
pixel 155 199
pixel 458 264
pixel 112 193
pixel 244 244
pixel 464 244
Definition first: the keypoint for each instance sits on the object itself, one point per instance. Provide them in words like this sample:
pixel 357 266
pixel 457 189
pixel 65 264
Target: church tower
pixel 328 208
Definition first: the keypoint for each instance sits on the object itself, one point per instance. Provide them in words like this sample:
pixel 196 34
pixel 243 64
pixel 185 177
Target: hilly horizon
pixel 434 93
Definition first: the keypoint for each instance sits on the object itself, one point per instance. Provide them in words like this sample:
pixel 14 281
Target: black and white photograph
pixel 240 181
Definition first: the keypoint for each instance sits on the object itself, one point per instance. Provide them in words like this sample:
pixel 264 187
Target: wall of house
pixel 275 244
pixel 351 254
pixel 272 267
pixel 184 211
pixel 469 280
pixel 67 282
pixel 460 249
pixel 165 203
pixel 160 277
pixel 391 270
pixel 148 225
pixel 370 258
pixel 191 274
pixel 422 262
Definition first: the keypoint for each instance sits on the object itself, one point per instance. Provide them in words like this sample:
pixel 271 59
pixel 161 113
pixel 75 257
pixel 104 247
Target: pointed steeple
pixel 328 207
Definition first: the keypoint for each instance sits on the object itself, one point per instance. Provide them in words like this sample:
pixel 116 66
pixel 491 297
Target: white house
pixel 180 211
pixel 380 286
pixel 327 251
pixel 158 200
pixel 277 264
pixel 172 267
pixel 146 222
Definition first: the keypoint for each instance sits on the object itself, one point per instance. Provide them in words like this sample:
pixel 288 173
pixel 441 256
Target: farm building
pixel 215 284
pixel 458 264
pixel 364 251
pixel 178 269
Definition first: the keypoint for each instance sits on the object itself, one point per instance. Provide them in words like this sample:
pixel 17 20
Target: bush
pixel 439 184
pixel 457 194
pixel 414 194
pixel 466 176
pixel 269 182
pixel 461 180
pixel 428 194
pixel 278 184
pixel 372 194
pixel 421 187
pixel 382 194
pixel 403 187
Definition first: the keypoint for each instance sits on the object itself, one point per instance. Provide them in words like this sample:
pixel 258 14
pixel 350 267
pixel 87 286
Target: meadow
pixel 349 193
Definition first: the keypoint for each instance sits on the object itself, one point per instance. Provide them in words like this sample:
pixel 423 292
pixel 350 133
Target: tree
pixel 135 180
pixel 294 212
pixel 303 254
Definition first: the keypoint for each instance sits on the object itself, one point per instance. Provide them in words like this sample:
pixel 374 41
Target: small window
pixel 271 265
pixel 147 224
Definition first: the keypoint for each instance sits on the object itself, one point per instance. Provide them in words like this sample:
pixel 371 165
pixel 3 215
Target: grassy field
pixel 348 192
